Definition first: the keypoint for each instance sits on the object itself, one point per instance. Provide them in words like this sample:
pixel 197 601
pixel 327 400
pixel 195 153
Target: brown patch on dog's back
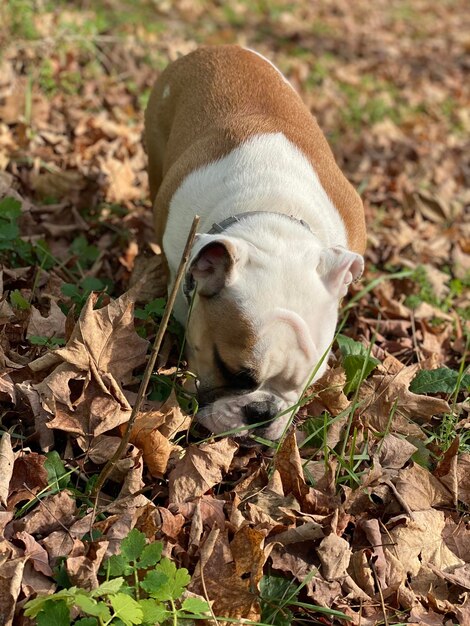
pixel 211 101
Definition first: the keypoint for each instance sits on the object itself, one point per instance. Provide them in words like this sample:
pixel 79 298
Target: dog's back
pixel 211 101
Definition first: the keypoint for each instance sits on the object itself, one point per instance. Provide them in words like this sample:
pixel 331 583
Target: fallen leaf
pixel 105 340
pixel 201 468
pixel 36 553
pixel 11 574
pixel 52 513
pixel 155 447
pixel 289 465
pixel 334 553
pixel 389 395
pixel 29 477
pixel 121 180
pixel 7 387
pixel 420 489
pixel 393 452
pixel 417 542
pixel 52 325
pixel 461 481
pixel 7 459
pixel 229 582
pixel 83 570
pixel 41 416
pixel 93 414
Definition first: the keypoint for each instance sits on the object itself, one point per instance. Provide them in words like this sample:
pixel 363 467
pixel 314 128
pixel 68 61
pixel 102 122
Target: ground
pixel 363 517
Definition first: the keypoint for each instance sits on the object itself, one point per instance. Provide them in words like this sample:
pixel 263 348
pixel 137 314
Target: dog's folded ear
pixel 213 262
pixel 338 268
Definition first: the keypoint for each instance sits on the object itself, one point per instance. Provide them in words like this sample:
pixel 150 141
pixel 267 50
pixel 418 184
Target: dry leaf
pixel 53 513
pixel 7 387
pixel 384 396
pixel 52 325
pixel 461 481
pixel 83 570
pixel 105 340
pixel 417 542
pixel 155 447
pixel 289 465
pixel 41 416
pixel 7 459
pixel 35 553
pixel 11 574
pixel 29 477
pixel 393 452
pixel 201 468
pixel 230 573
pixel 421 490
pixel 121 183
pixel 334 553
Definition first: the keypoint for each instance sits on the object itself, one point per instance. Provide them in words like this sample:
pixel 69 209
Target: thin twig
pixel 150 365
pixel 401 501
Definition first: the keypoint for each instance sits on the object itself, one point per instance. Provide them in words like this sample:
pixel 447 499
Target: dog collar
pixel 220 227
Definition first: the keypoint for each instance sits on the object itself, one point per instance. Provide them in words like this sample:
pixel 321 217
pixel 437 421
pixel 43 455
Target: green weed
pixel 139 587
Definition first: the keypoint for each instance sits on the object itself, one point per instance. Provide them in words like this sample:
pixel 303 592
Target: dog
pixel 281 235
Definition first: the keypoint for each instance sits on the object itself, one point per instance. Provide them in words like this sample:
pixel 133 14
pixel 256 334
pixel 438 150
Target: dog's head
pixel 260 325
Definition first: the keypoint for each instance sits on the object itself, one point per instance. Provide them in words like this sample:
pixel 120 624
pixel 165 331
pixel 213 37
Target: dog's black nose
pixel 260 411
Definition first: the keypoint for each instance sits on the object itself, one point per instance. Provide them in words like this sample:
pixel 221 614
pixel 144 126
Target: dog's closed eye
pixel 242 378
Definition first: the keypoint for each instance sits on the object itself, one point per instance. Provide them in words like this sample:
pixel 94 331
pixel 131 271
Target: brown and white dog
pixel 281 233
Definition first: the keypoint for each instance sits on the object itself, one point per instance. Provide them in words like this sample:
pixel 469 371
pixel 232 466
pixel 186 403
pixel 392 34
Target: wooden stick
pixel 151 362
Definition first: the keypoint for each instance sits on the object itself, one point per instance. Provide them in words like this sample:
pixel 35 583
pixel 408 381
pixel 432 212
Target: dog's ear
pixel 338 268
pixel 212 264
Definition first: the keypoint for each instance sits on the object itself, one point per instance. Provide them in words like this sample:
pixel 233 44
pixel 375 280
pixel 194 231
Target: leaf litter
pixel 365 509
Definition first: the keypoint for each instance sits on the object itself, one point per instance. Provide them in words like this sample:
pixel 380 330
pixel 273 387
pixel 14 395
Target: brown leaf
pixel 29 477
pixel 56 386
pixel 52 513
pixel 171 524
pixel 59 543
pixel 309 531
pixel 334 553
pixel 292 559
pixel 155 447
pixel 7 459
pixel 41 416
pixel 83 570
pixel 93 414
pixel 35 552
pixel 460 482
pixel 231 572
pixel 11 574
pixel 175 420
pixel 268 507
pixel 106 340
pixel 416 542
pixel 52 325
pixel 329 391
pixel 388 395
pixel 372 530
pixel 393 452
pixel 102 448
pixel 420 489
pixel 455 536
pixel 57 183
pixel 201 468
pixel 7 387
pixel 35 583
pixel 289 465
pixel 121 180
